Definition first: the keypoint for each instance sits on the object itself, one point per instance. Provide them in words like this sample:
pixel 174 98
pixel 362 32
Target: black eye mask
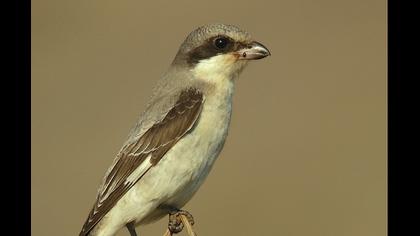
pixel 212 47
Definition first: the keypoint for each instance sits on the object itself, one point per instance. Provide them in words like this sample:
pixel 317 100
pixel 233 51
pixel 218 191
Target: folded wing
pixel 138 156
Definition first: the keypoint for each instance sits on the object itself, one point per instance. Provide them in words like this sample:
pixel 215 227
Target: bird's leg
pixel 175 224
pixel 131 228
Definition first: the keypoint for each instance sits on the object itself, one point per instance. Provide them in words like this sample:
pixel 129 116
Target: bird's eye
pixel 221 42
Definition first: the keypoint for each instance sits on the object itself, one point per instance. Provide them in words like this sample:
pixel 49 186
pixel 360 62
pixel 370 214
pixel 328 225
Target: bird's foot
pixel 175 224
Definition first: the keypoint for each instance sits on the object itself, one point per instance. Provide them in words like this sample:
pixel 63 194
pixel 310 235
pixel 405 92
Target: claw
pixel 175 224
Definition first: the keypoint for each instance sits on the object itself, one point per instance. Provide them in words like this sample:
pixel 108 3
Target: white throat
pixel 218 69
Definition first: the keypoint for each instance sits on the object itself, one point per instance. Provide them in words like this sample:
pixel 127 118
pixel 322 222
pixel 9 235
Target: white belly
pixel 179 174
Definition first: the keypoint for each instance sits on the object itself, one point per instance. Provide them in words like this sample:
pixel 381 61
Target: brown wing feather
pixel 155 141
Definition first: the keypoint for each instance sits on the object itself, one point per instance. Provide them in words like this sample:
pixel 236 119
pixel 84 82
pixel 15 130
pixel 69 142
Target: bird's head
pixel 218 50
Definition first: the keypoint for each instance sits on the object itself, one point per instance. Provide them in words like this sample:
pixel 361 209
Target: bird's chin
pixel 238 67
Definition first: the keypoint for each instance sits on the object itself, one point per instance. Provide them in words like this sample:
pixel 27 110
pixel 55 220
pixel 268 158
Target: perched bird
pixel 172 147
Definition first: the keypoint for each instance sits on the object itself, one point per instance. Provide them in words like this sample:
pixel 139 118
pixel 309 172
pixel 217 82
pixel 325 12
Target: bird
pixel 172 147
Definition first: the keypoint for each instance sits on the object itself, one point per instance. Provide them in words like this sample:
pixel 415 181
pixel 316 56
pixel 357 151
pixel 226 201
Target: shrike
pixel 172 147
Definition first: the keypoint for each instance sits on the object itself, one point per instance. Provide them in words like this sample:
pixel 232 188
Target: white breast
pixel 194 155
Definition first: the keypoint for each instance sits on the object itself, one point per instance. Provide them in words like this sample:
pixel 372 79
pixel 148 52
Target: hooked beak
pixel 253 51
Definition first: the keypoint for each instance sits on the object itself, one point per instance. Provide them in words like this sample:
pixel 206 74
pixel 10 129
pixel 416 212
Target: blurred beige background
pixel 306 152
